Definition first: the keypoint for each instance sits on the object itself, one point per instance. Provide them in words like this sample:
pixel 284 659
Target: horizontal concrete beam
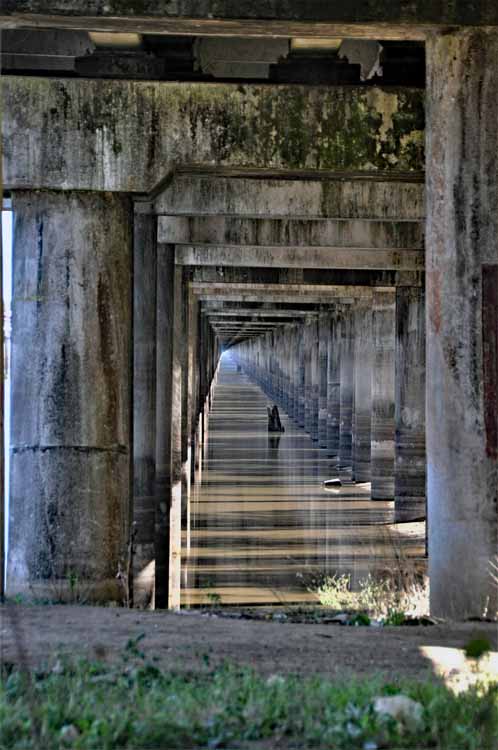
pixel 215 321
pixel 129 136
pixel 238 256
pixel 255 314
pixel 296 293
pixel 305 276
pixel 229 231
pixel 390 19
pixel 341 195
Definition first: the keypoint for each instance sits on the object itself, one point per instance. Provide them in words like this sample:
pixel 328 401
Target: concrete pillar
pixel 186 403
pixel 308 378
pixel 462 321
pixel 177 464
pixel 302 375
pixel 144 406
pixel 346 393
pixel 2 428
pixel 363 391
pixel 410 459
pixel 334 384
pixel 164 359
pixel 315 380
pixel 382 446
pixel 71 366
pixel 323 340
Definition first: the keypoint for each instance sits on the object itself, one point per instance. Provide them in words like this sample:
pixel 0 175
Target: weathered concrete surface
pixel 323 341
pixel 346 393
pixel 300 257
pixel 383 393
pixel 410 455
pixel 315 380
pixel 164 375
pixel 376 196
pixel 363 355
pixel 236 230
pixel 128 136
pixel 144 406
pixel 71 358
pixel 177 467
pixel 223 16
pixel 334 383
pixel 462 322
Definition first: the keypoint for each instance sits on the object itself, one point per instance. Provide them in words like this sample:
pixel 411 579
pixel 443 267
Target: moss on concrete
pixel 121 135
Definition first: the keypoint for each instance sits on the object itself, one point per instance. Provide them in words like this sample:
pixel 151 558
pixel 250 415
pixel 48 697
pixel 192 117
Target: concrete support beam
pixel 281 195
pixel 383 393
pixel 144 407
pixel 177 462
pixel 92 142
pixel 334 384
pixel 347 390
pixel 164 405
pixel 410 455
pixel 301 376
pixel 71 362
pixel 315 380
pixel 323 340
pixel 228 231
pixel 393 19
pixel 462 322
pixel 362 422
pixel 290 293
pixel 356 258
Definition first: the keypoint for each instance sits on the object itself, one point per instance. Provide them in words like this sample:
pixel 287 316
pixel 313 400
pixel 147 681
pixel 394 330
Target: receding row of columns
pixel 353 376
pixel 112 369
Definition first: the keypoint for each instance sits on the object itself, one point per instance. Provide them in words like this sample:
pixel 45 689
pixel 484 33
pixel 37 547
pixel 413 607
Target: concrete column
pixel 363 391
pixel 2 427
pixel 346 393
pixel 334 384
pixel 302 375
pixel 308 378
pixel 382 446
pixel 462 321
pixel 323 340
pixel 71 387
pixel 410 459
pixel 177 464
pixel 186 402
pixel 295 373
pixel 315 380
pixel 144 406
pixel 164 358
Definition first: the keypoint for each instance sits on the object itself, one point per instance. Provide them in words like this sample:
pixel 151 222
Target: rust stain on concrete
pixel 490 356
pixel 434 292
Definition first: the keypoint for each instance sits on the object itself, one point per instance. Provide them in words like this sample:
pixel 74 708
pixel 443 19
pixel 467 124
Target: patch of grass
pixel 379 597
pixel 133 704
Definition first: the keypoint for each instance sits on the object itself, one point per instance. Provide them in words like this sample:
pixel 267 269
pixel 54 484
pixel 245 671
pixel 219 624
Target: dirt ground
pixel 193 641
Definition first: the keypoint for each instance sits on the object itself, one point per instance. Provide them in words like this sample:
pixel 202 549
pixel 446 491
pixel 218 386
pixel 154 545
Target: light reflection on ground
pixel 261 519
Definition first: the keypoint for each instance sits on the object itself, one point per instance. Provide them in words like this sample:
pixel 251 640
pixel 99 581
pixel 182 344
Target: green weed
pixel 135 705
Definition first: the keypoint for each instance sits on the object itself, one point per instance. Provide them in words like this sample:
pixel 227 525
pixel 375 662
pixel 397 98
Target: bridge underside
pixel 339 240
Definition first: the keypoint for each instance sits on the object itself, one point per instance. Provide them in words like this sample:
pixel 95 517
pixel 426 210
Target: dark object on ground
pixel 274 423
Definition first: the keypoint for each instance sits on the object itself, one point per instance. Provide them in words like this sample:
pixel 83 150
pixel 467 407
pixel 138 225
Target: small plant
pixel 360 619
pixel 213 598
pixel 477 647
pixel 395 618
pixel 335 592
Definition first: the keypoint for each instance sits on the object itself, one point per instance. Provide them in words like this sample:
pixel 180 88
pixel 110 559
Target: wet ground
pixel 262 524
